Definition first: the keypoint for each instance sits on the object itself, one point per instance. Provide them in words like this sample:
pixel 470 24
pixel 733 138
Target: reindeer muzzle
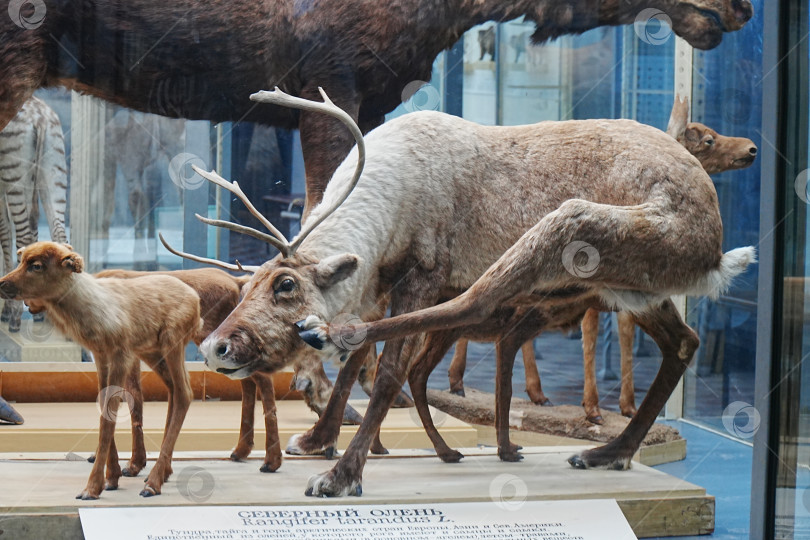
pixel 8 291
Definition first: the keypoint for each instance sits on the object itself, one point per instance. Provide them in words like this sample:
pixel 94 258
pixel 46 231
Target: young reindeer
pixel 219 294
pixel 716 153
pixel 122 321
pixel 442 199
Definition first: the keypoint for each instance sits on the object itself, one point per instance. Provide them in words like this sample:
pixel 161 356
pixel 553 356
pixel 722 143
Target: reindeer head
pixel 261 333
pixel 44 272
pixel 716 153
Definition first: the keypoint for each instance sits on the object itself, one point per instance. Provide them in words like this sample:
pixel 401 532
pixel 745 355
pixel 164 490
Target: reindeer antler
pixel 276 238
pixel 278 97
pixel 204 260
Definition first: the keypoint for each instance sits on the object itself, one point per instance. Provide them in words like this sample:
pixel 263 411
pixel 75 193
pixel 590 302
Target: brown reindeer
pixel 195 60
pixel 716 153
pixel 122 321
pixel 219 294
pixel 627 190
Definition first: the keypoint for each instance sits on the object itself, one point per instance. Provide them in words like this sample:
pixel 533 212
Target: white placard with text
pixel 537 520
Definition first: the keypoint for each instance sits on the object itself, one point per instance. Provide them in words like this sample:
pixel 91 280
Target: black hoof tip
pixel 452 458
pixel 311 338
pixel 358 491
pixel 267 468
pixel 91 459
pixel 547 403
pixel 147 492
pixel 235 457
pixel 330 453
pixel 308 492
pixel 598 420
pixel 577 462
pixel 110 488
pixel 458 392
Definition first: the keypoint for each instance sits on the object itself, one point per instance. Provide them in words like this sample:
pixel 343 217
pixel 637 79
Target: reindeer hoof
pixel 403 401
pixel 238 456
pixel 604 457
pixel 269 467
pixel 457 392
pixel 87 496
pixel 351 417
pixel 326 485
pixel 511 455
pixel 598 420
pixel 629 413
pixel 91 459
pixel 149 491
pixel 111 487
pixel 451 457
pixel 297 446
pixel 577 463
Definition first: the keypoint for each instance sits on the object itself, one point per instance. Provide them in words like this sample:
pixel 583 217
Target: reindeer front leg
pixel 272 453
pixel 417 290
pixel 436 346
pixel 322 437
pixel 245 443
pixel 137 460
pixel 180 397
pixel 111 379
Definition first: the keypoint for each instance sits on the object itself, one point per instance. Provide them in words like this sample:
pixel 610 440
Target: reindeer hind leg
pixel 678 344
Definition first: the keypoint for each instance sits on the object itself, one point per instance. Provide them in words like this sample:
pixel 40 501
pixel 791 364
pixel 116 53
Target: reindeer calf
pixel 219 294
pixel 121 321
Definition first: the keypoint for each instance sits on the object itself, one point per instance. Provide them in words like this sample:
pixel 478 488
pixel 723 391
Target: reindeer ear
pixel 692 135
pixel 74 262
pixel 678 118
pixel 332 270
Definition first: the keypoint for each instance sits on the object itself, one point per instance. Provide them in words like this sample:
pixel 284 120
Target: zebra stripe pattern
pixel 33 170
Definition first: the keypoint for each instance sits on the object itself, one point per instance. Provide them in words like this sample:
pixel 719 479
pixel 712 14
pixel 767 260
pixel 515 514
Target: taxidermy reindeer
pixel 106 316
pixel 219 294
pixel 716 154
pixel 32 169
pixel 184 59
pixel 629 190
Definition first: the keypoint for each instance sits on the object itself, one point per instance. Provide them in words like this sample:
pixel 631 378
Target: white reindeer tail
pixel 732 264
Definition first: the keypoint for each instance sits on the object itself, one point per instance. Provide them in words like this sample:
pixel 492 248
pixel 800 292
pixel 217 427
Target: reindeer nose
pixel 8 290
pixel 743 10
pixel 752 151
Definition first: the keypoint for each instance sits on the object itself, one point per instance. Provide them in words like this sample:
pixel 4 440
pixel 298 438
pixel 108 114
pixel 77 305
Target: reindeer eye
pixel 709 142
pixel 286 285
pixel 35 267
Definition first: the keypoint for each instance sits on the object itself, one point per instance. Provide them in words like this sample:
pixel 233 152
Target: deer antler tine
pixel 204 260
pixel 243 229
pixel 234 188
pixel 278 97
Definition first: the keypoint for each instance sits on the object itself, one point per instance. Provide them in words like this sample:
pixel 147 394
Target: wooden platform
pixel 38 495
pixel 209 425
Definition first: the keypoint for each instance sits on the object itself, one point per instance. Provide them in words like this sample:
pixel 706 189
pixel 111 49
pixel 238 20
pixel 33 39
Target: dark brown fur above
pixel 201 60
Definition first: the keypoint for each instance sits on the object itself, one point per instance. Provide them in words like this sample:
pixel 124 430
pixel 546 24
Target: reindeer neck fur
pixel 88 309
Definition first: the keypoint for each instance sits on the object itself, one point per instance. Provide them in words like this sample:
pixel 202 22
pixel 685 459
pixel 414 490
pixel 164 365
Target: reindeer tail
pixel 732 264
